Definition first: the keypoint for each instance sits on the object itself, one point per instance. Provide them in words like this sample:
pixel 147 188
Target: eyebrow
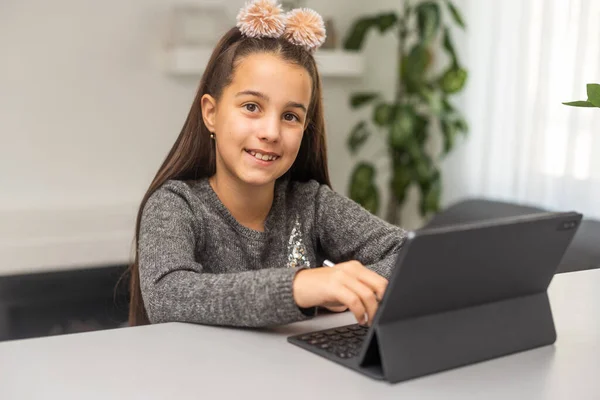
pixel 266 98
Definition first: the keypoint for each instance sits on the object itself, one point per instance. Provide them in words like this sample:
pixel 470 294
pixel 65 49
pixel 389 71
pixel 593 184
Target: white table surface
pixel 183 361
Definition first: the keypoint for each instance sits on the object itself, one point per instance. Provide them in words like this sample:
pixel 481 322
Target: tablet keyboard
pixel 345 341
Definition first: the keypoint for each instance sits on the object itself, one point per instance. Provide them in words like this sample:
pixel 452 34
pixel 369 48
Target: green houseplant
pixel 593 93
pixel 420 108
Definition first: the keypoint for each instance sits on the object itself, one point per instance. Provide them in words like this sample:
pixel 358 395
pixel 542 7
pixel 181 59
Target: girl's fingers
pixel 372 279
pixel 377 284
pixel 337 309
pixel 353 302
pixel 367 296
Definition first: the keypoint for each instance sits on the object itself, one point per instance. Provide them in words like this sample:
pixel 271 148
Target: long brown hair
pixel 193 154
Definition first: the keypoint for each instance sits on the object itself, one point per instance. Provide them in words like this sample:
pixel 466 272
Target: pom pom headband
pixel 264 18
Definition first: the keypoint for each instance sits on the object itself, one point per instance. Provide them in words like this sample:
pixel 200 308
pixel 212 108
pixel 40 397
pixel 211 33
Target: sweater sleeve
pixel 176 288
pixel 347 232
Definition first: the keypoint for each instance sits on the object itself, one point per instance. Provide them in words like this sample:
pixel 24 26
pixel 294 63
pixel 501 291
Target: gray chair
pixel 582 254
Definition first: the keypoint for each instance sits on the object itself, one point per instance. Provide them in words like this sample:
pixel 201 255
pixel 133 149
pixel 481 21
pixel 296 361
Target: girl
pixel 242 211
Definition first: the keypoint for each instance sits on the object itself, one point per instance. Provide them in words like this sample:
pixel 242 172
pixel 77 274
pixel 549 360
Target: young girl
pixel 240 217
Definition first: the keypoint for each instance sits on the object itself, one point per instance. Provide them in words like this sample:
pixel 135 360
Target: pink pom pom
pixel 261 18
pixel 305 27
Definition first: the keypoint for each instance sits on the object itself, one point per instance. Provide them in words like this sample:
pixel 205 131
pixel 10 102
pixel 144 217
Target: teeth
pixel 263 157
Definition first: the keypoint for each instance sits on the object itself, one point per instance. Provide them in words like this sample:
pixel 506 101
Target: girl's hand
pixel 348 284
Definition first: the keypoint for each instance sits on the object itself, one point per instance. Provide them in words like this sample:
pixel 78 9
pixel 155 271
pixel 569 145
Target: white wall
pixel 87 115
pixel 454 166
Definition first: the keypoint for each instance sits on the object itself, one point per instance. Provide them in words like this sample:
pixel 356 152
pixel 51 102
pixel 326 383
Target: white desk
pixel 180 361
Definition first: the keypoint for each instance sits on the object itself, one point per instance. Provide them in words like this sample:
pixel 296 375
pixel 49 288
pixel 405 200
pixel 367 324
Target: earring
pixel 212 135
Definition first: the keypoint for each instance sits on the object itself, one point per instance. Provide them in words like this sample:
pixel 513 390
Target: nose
pixel 270 131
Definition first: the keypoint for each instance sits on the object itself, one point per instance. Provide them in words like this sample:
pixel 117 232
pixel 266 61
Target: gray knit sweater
pixel 198 264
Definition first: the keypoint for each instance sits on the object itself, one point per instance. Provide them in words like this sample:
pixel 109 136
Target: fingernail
pixel 365 319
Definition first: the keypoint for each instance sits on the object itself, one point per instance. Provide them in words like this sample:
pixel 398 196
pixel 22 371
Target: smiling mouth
pixel 263 157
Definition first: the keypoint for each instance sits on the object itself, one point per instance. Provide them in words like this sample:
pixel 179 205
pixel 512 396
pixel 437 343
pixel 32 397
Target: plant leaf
pixel 449 46
pixel 360 99
pixel 386 21
pixel 414 67
pixel 364 173
pixel 415 151
pixel 428 20
pixel 593 92
pixel 358 32
pixel 581 103
pixel 423 172
pixel 358 136
pixel 448 134
pixel 453 79
pixel 360 180
pixel 361 27
pixel 402 127
pixel 434 99
pixel 371 201
pixel 420 128
pixel 431 194
pixel 448 107
pixel 383 114
pixel 461 125
pixel 455 14
pixel 401 180
pixel 362 187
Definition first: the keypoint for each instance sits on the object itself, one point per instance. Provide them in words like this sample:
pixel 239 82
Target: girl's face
pixel 259 121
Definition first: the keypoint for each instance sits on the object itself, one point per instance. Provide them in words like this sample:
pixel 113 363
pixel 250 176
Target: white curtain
pixel 525 58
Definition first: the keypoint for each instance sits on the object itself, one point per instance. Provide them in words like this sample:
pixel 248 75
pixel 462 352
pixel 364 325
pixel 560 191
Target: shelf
pixel 190 61
pixel 48 240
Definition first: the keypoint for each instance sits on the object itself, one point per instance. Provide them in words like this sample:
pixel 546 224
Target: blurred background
pixel 437 112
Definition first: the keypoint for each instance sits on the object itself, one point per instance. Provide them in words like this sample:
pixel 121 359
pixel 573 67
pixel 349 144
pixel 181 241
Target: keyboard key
pixel 340 346
pixel 344 342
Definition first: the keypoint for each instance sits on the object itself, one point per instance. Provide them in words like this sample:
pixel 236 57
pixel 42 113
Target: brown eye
pixel 251 107
pixel 290 117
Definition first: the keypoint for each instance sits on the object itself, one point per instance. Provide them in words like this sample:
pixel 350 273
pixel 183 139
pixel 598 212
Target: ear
pixel 209 111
